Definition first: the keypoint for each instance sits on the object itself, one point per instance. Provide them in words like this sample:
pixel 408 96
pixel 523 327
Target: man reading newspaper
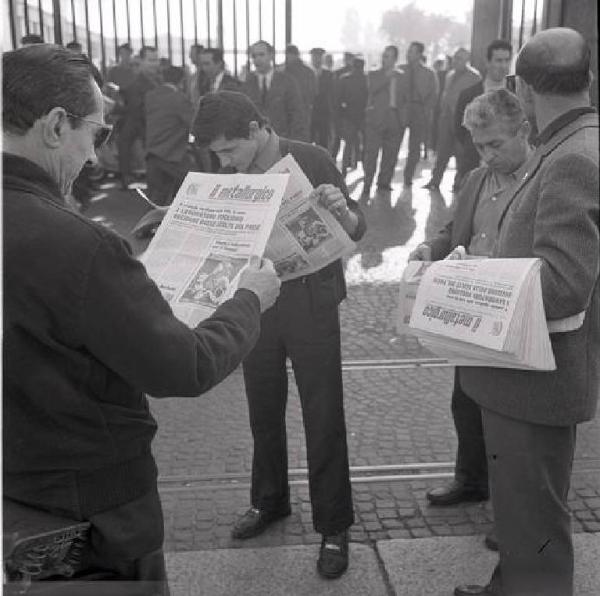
pixel 304 326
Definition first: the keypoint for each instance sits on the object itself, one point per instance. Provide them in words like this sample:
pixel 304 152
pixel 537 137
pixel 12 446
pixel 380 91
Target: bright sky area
pixel 320 22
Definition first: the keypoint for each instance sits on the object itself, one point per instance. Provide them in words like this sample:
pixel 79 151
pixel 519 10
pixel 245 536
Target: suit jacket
pixel 465 97
pixel 283 106
pixel 229 83
pixel 323 100
pixel 424 89
pixel 553 214
pixel 168 118
pixel 306 81
pixel 378 101
pixel 352 98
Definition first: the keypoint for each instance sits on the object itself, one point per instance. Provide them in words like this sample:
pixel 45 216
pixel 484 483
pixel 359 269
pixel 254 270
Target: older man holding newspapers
pixel 500 131
pixel 530 417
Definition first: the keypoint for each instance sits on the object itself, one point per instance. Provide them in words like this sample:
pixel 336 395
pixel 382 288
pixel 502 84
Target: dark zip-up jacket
pixel 86 335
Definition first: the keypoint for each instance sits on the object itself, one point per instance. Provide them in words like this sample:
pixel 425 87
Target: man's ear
pixel 525 129
pixel 53 127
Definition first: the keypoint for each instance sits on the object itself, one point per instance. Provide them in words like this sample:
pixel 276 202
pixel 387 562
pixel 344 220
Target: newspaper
pixel 483 312
pixel 306 237
pixel 216 222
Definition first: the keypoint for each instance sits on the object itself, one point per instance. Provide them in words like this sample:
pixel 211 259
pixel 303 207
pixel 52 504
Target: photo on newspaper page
pixel 215 224
pixel 306 237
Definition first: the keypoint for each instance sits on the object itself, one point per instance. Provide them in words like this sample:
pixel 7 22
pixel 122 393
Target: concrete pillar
pixel 491 20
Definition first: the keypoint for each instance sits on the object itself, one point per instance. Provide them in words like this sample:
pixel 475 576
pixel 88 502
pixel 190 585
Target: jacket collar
pixel 585 118
pixel 22 174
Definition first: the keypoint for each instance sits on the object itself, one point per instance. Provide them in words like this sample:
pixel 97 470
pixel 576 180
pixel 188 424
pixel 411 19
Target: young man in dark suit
pixel 302 326
pixel 385 120
pixel 168 118
pixel 276 94
pixel 213 66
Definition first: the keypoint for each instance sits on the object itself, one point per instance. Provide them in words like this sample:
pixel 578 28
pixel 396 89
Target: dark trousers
pixel 309 334
pixel 417 126
pixel 387 137
pixel 130 129
pixel 471 462
pixel 446 147
pixel 164 178
pixel 530 471
pixel 320 131
pixel 351 133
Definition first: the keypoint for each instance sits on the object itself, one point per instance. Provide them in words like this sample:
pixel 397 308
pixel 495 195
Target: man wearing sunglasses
pixel 87 334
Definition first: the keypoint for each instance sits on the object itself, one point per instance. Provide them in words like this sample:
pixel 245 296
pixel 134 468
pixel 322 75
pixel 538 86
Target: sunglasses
pixel 102 134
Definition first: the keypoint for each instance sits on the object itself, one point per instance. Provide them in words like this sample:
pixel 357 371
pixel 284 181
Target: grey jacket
pixel 553 214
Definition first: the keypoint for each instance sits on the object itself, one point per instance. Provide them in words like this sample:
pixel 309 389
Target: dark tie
pixel 264 90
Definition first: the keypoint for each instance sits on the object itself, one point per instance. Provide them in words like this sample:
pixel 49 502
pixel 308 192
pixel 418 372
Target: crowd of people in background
pixel 153 103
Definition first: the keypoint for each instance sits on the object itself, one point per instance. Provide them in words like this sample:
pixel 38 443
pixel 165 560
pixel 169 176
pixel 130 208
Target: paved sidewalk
pixel 425 567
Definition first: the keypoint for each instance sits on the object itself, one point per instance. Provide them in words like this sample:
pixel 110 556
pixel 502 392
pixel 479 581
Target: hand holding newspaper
pixel 216 222
pixel 480 312
pixel 306 237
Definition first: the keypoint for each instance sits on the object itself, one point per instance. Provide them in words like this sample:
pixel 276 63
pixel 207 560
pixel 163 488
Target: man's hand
pixel 421 253
pixel 259 277
pixel 332 199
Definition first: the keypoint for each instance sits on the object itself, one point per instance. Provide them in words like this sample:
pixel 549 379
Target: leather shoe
pixel 473 590
pixel 454 493
pixel 255 522
pixel 333 556
pixel 491 541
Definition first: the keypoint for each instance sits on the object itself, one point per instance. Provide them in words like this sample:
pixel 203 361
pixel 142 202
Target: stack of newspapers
pixel 478 312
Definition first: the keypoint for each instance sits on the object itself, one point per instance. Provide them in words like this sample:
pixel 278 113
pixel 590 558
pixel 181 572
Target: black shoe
pixel 455 493
pixel 431 185
pixel 491 541
pixel 255 522
pixel 473 590
pixel 333 556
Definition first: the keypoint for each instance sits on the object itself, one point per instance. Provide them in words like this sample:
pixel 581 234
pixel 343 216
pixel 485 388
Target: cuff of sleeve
pixel 248 296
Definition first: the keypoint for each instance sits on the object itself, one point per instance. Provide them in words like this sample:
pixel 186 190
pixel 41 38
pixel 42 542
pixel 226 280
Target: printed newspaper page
pixel 471 300
pixel 484 312
pixel 216 222
pixel 306 237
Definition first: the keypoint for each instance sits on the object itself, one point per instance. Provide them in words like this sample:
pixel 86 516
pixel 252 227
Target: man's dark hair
pixel 394 49
pixel 498 44
pixel 216 54
pixel 145 50
pixel 74 46
pixel 31 38
pixel 40 77
pixel 226 113
pixel 420 47
pixel 197 46
pixel 173 74
pixel 126 47
pixel 267 45
pixel 538 64
pixel 292 50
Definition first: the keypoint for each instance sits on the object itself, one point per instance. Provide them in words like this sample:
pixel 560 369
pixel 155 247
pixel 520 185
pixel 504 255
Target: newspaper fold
pixel 478 312
pixel 215 223
pixel 306 237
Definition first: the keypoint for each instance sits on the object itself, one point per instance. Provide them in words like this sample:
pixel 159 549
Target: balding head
pixel 555 61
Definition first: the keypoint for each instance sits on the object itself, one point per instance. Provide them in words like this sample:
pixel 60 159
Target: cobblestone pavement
pixel 395 416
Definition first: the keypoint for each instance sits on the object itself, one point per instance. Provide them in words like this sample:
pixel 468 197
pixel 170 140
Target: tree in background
pixel 439 33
